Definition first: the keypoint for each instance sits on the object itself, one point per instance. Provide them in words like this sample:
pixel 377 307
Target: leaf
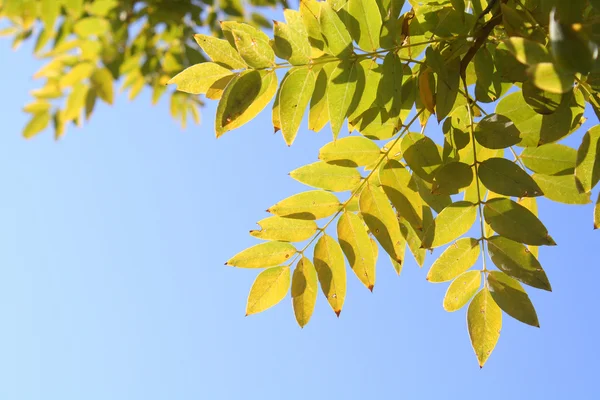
pixel 456 259
pixel 484 320
pixel 244 97
pixel 562 189
pixel 340 92
pixel 527 51
pixel 76 75
pixel 295 93
pixel 381 220
pixel 358 150
pixel 570 48
pixel 198 78
pixel 516 222
pixel 291 40
pixel 269 288
pixel 511 298
pixel 329 262
pixel 314 204
pixel 396 182
pixel 310 11
pixel 285 229
pixel 548 77
pixel 461 290
pixel 368 98
pixel 220 51
pixel 255 51
pixel 36 124
pixel 436 201
pixel 318 114
pixel 334 31
pixel 421 154
pixel 425 90
pixel 49 12
pixel 413 239
pixel 495 131
pixel 506 177
pixel 597 213
pixel 389 90
pixel 103 83
pixel 550 159
pixel 365 23
pixel 263 255
pixel 356 245
pixel 452 177
pixel 304 291
pixel 447 89
pixel 541 101
pixel 454 221
pixel 587 169
pixel 91 26
pixel 327 176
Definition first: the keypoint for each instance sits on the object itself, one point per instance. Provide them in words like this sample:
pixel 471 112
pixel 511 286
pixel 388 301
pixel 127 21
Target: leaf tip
pixel 370 287
pixel 337 313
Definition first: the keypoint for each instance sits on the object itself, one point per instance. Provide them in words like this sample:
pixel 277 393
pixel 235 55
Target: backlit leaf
pixel 334 31
pixel 318 114
pixel 511 298
pixel 103 83
pixel 562 189
pixel 365 23
pixel 314 204
pixel 548 77
pixel 597 213
pixel 291 40
pixel 495 131
pixel 454 221
pixel 327 176
pixel 396 182
pixel 359 150
pixel 255 51
pixel 269 288
pixel 550 159
pixel 541 101
pixel 587 169
pixel 527 51
pixel 461 290
pixel 220 51
pixel 304 291
pixel 329 262
pixel 484 320
pixel 570 48
pixel 506 177
pixel 285 229
pixel 36 124
pixel 452 177
pixel 413 239
pixel 91 26
pixel 198 78
pixel 456 259
pixel 263 255
pixel 340 92
pixel 421 154
pixel 295 93
pixel 356 245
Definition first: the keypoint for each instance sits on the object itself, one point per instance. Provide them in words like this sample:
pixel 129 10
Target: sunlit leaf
pixel 511 298
pixel 359 150
pixel 550 159
pixel 365 23
pixel 396 182
pixel 340 92
pixel 198 78
pixel 269 288
pixel 548 77
pixel 413 239
pixel 495 131
pixel 284 229
pixel 506 177
pixel 318 114
pixel 597 213
pixel 421 154
pixel 587 169
pixel 38 122
pixel 329 262
pixel 295 93
pixel 304 291
pixel 527 51
pixel 456 259
pixel 255 51
pixel 314 204
pixel 263 255
pixel 484 320
pixel 91 26
pixel 356 245
pixel 562 189
pixel 334 31
pixel 542 102
pixel 452 177
pixel 570 48
pixel 291 39
pixel 461 290
pixel 220 51
pixel 454 221
pixel 327 176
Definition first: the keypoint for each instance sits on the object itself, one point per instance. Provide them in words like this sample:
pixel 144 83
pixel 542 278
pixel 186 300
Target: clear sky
pixel 112 284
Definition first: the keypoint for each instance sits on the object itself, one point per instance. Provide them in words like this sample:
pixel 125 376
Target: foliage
pixel 91 45
pixel 385 69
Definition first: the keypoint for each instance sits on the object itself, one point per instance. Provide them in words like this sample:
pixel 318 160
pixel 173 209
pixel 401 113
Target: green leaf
pixel 436 201
pixel 454 221
pixel 562 189
pixel 541 101
pixel 314 204
pixel 506 177
pixel 570 47
pixel 102 80
pixel 334 31
pixel 285 229
pixel 263 255
pixel 365 23
pixel 484 320
pixel 550 159
pixel 529 203
pixel 304 291
pixel 91 26
pixel 587 169
pixel 356 149
pixel 516 222
pixel 269 288
pixel 447 88
pixel 295 93
pixel 548 77
pixel 198 78
pixel 36 124
pixel 527 51
pixel 327 176
pixel 76 75
pixel 220 51
pixel 255 52
pixel 461 290
pixel 49 12
pixel 597 213
pixel 398 186
pixel 329 262
pixel 495 131
pixel 452 177
pixel 244 98
pixel 517 261
pixel 340 93
pixel 368 98
pixel 291 40
pixel 381 219
pixel 389 90
pixel 358 248
pixel 318 114
pixel 310 11
pixel 413 239
pixel 456 259
pixel 75 102
pixel 512 298
pixel 421 154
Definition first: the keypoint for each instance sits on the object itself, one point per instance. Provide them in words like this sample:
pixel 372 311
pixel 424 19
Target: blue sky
pixel 112 284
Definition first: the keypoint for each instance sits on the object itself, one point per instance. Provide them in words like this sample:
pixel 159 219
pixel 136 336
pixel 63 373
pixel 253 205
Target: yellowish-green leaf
pixel 327 176
pixel 461 290
pixel 285 229
pixel 495 131
pixel 340 93
pixel 49 12
pixel 77 74
pixel 220 51
pixel 454 221
pixel 75 102
pixel 359 150
pixel 255 52
pixel 597 213
pixel 331 270
pixel 512 298
pixel 587 169
pixel 334 31
pixel 103 83
pixel 38 122
pixel 318 114
pixel 456 259
pixel 244 98
pixel 365 23
pixel 529 203
pixel 198 78
pixel 314 204
pixel 295 93
pixel 421 154
pixel 516 222
pixel 310 10
pixel 436 201
pixel 99 7
pixel 269 288
pixel 389 91
pixel 398 186
pixel 548 77
pixel 452 178
pixel 550 159
pixel 263 255
pixel 484 320
pixel 505 177
pixel 291 41
pixel 527 51
pixel 381 219
pixel 304 291
pixel 358 248
pixel 373 73
pixel 562 189
pixel 91 26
